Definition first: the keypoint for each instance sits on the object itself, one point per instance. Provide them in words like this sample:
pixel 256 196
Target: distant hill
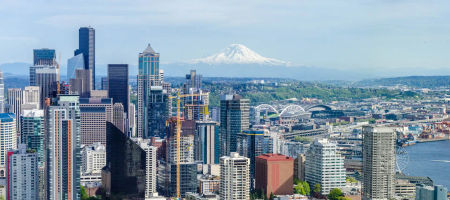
pixel 411 81
pixel 17 68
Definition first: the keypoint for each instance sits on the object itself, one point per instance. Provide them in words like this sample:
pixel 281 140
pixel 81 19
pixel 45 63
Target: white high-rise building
pixel 378 162
pixel 22 174
pixel 150 169
pixel 93 158
pixel 324 166
pixel 8 138
pixel 234 177
pixel 31 98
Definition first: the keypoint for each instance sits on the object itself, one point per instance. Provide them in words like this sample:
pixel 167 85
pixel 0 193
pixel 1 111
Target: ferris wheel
pixel 402 159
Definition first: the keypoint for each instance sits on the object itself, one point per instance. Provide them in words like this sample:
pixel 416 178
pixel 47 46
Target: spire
pixel 149 49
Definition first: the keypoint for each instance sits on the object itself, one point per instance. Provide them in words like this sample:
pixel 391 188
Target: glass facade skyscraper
pixel 74 63
pixel 86 46
pixel 44 57
pixel 118 84
pixel 148 76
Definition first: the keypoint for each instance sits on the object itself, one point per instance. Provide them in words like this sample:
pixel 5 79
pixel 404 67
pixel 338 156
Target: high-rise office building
pixel 82 84
pixel 234 118
pixel 196 104
pixel 8 138
pixel 378 162
pixel 119 117
pixel 131 166
pixel 31 98
pixel 148 76
pixel 44 57
pixel 86 46
pixel 15 101
pixel 45 78
pixel 234 177
pixel 118 84
pixel 252 143
pixel 324 166
pixel 63 149
pixel 274 174
pixel 157 112
pixel 186 141
pixel 22 174
pixel 206 144
pixel 2 93
pixel 95 112
pixel 74 63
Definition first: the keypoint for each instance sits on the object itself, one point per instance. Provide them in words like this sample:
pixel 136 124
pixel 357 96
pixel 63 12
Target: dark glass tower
pixel 86 46
pixel 118 84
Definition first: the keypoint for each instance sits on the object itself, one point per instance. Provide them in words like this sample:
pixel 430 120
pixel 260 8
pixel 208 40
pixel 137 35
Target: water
pixel 430 159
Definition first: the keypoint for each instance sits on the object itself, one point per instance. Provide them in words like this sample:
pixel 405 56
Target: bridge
pixel 291 110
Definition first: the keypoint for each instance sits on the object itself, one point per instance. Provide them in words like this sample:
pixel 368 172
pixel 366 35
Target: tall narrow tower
pixel 148 76
pixel 86 46
pixel 378 162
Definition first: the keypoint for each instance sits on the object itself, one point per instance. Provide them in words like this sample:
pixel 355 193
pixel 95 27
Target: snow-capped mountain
pixel 238 54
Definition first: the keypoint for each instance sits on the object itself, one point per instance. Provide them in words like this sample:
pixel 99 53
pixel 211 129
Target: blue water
pixel 430 159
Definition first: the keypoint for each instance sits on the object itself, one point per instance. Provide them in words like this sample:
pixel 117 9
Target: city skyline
pixel 373 36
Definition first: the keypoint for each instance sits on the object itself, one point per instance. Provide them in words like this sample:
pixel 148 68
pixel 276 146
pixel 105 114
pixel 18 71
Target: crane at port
pixel 178 98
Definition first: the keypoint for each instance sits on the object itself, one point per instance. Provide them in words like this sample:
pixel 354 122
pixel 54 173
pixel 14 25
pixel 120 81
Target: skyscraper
pixel 93 158
pixel 118 84
pixel 2 93
pixel 234 177
pixel 324 166
pixel 95 112
pixel 274 174
pixel 148 76
pixel 378 162
pixel 74 63
pixel 105 83
pixel 8 138
pixel 131 166
pixel 252 143
pixel 132 119
pixel 44 56
pixel 195 105
pixel 32 132
pixel 22 184
pixel 31 98
pixel 119 117
pixel 45 78
pixel 206 144
pixel 234 118
pixel 157 112
pixel 15 101
pixel 82 84
pixel 86 46
pixel 63 149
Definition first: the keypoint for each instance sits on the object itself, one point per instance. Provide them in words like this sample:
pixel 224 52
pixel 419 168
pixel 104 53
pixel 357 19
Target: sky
pixel 377 35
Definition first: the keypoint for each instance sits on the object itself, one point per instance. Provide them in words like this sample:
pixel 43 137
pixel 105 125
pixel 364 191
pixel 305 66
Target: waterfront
pixel 430 159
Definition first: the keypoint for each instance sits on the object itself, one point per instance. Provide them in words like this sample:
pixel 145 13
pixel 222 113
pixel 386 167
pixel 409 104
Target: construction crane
pixel 178 98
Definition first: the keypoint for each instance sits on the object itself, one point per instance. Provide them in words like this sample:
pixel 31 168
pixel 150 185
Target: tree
pixel 296 181
pixel 271 196
pixel 335 194
pixel 298 189
pixel 84 195
pixel 317 188
pixel 307 188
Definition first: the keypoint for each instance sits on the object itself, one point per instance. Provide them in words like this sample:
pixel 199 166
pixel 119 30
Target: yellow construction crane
pixel 178 97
